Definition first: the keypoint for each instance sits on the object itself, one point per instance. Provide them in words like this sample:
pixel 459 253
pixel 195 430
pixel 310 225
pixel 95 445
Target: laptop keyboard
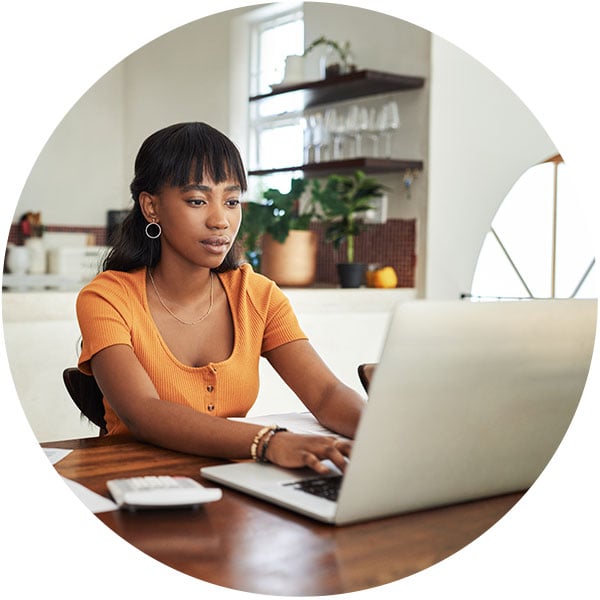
pixel 325 487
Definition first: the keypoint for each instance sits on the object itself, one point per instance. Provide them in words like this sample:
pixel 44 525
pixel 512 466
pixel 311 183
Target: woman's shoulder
pixel 115 282
pixel 245 279
pixel 254 290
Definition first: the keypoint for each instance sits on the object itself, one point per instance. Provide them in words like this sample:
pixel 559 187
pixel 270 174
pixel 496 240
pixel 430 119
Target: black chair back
pixel 87 396
pixel 365 374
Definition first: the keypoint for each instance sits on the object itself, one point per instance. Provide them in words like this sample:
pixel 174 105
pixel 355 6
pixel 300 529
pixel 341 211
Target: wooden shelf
pixel 345 87
pixel 358 84
pixel 368 165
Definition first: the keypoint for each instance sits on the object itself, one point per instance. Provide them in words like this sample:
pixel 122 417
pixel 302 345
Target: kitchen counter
pixel 39 283
pixel 52 304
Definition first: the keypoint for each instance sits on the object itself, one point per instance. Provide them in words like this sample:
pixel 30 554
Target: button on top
pixel 210 379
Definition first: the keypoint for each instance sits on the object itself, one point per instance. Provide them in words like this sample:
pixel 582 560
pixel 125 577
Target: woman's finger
pixel 336 457
pixel 314 462
pixel 344 446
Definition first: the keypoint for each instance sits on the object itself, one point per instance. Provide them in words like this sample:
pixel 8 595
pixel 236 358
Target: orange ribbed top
pixel 113 309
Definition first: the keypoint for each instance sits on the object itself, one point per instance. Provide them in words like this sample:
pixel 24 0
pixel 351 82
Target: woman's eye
pixel 196 201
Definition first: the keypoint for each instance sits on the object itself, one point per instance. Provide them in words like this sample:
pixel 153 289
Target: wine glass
pixel 358 126
pixel 315 121
pixel 362 129
pixel 369 125
pixel 388 123
pixel 308 156
pixel 352 127
pixel 338 131
pixel 330 119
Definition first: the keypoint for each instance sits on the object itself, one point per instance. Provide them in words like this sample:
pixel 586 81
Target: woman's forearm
pixel 341 410
pixel 151 419
pixel 183 429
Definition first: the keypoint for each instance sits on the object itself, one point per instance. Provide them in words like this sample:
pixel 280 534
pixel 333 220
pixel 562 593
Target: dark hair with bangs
pixel 173 156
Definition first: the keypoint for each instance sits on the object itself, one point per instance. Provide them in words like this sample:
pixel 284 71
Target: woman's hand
pixel 292 450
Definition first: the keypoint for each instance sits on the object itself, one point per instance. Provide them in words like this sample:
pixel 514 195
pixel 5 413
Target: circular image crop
pixel 435 389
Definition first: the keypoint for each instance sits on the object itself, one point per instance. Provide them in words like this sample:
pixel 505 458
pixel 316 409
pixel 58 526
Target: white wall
pixel 181 76
pixel 482 138
pixel 87 165
pixel 77 176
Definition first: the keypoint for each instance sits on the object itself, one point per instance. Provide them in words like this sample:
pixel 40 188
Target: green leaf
pixel 343 199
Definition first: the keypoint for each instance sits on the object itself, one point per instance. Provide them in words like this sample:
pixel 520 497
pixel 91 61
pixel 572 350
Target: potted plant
pixel 333 65
pixel 277 236
pixel 343 201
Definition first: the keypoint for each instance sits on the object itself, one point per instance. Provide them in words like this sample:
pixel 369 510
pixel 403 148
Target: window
pixel 537 246
pixel 275 39
pixel 275 128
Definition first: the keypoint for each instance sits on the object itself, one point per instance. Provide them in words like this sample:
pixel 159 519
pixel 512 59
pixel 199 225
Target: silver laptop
pixel 469 400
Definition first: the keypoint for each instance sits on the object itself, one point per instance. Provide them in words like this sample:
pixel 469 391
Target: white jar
pixel 37 255
pixel 17 260
pixel 294 70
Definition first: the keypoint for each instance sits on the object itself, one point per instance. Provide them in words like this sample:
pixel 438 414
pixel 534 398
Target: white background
pixel 53 51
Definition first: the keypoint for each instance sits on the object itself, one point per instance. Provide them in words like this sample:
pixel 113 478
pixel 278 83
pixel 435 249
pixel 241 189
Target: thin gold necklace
pixel 173 314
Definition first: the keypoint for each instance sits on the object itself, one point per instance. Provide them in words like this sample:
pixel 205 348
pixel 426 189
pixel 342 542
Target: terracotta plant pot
pixel 293 263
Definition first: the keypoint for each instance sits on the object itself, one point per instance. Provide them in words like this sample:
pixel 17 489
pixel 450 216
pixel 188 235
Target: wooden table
pixel 249 545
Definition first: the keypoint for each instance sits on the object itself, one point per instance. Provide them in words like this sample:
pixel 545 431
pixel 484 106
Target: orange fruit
pixel 384 278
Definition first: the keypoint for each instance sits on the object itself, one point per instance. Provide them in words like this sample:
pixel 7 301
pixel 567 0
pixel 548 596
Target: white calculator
pixel 162 491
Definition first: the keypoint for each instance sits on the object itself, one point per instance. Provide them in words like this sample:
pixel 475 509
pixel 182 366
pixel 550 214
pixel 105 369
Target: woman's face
pixel 199 221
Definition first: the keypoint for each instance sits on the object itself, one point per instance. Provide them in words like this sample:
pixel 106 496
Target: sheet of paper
pixel 56 454
pixel 303 422
pixel 95 502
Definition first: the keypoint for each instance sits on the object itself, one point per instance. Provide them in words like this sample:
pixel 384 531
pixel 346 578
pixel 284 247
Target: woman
pixel 173 328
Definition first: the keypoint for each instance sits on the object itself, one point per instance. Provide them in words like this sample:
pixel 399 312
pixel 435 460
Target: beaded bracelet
pixel 257 439
pixel 268 437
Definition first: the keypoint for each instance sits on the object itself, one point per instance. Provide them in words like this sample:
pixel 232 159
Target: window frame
pixel 259 119
pixel 511 262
